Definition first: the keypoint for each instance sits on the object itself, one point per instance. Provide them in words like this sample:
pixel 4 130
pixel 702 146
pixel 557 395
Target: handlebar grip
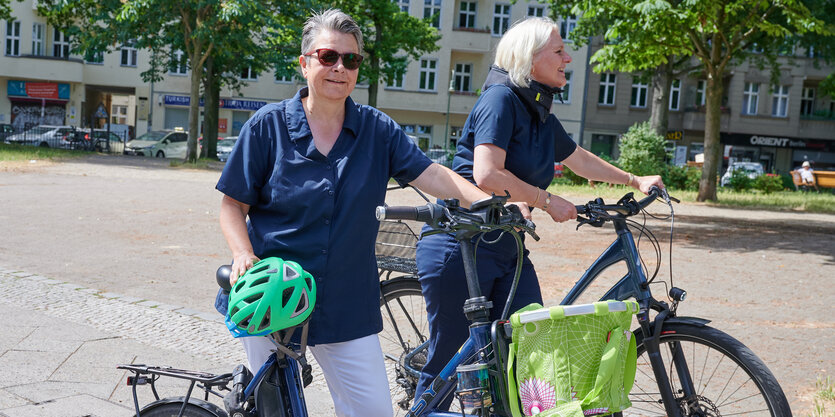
pixel 581 209
pixel 222 277
pixel 426 213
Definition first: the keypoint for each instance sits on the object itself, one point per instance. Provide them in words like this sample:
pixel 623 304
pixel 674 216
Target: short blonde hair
pixel 519 44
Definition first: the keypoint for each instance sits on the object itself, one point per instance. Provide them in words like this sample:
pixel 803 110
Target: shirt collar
pixel 296 120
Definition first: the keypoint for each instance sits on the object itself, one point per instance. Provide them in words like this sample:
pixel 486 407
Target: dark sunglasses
pixel 329 58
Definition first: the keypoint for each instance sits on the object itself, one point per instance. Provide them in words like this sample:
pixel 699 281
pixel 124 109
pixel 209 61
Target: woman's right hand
pixel 561 210
pixel 240 264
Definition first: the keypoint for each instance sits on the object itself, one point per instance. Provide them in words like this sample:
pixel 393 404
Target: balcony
pixel 470 40
pixel 40 67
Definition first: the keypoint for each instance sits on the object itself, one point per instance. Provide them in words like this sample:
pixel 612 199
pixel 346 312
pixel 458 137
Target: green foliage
pixel 572 177
pixel 642 150
pixel 739 181
pixel 788 183
pixel 768 183
pixel 681 178
pixel 6 10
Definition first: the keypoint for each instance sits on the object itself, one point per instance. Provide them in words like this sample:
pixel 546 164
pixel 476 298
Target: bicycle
pixel 685 367
pixel 276 389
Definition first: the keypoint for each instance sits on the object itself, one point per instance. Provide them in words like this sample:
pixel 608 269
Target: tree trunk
pixel 713 118
pixel 211 92
pixel 373 85
pixel 194 105
pixel 662 79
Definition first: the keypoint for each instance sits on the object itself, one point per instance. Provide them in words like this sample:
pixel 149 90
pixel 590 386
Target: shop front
pixel 237 111
pixel 778 153
pixel 37 103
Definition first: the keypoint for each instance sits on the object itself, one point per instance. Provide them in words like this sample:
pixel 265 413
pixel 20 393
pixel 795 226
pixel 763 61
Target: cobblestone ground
pixel 157 324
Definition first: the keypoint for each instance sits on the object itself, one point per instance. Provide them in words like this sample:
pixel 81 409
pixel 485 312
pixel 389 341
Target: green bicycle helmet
pixel 273 295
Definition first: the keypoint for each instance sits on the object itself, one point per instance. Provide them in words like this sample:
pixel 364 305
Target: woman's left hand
pixel 644 183
pixel 523 208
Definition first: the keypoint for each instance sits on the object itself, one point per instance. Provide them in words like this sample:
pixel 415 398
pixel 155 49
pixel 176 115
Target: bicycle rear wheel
pixel 728 378
pixel 172 409
pixel 405 328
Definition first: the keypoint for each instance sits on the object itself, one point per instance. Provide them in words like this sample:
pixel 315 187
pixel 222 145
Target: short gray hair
pixel 519 44
pixel 330 19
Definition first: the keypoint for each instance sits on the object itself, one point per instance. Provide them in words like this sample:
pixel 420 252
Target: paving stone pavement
pixel 60 344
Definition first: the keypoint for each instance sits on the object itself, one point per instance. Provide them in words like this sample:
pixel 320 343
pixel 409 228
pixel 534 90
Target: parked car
pixel 751 169
pixel 6 130
pixel 160 144
pixel 103 142
pixel 45 136
pixel 224 147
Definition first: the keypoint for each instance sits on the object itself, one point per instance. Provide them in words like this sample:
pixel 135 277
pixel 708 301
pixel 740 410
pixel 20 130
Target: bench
pixel 823 179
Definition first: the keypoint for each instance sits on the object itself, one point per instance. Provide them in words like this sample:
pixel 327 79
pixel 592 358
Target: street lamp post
pixel 448 99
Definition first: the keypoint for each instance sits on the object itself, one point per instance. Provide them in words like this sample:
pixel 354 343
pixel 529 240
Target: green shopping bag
pixel 572 361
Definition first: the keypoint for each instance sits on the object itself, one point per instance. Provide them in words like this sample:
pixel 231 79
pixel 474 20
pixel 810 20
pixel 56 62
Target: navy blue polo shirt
pixel 318 210
pixel 500 118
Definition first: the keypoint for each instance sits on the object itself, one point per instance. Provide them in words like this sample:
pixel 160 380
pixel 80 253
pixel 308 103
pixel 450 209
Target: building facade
pixel 778 125
pixel 41 82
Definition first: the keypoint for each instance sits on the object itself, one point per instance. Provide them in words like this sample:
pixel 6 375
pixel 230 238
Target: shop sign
pixel 774 141
pixel 674 134
pixel 221 125
pixel 49 91
pixel 234 104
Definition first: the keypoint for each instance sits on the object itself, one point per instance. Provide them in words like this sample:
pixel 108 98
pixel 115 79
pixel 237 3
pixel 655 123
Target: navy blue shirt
pixel 318 210
pixel 500 118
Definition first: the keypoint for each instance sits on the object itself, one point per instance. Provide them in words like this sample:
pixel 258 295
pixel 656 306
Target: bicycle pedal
pixel 307 375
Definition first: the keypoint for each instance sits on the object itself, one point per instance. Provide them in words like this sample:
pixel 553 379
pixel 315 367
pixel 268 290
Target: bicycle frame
pixel 633 285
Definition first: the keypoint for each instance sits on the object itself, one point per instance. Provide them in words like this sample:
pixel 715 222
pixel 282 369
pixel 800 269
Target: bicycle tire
pixel 405 327
pixel 729 378
pixel 172 409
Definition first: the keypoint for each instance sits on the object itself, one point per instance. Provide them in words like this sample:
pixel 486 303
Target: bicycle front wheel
pixel 727 377
pixel 405 329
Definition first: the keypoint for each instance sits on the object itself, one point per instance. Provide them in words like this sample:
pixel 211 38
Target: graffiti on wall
pixel 26 115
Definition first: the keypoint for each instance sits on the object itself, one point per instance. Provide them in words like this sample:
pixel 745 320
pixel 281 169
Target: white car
pixel 160 144
pixel 752 169
pixel 224 147
pixel 45 136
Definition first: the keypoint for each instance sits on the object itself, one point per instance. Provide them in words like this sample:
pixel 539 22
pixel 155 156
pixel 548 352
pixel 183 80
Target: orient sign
pixel 776 142
pixel 769 141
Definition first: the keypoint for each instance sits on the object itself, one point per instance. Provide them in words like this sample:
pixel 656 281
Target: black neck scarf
pixel 537 97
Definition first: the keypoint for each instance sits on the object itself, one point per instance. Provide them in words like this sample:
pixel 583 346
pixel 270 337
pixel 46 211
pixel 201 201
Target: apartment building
pixel 778 125
pixel 41 82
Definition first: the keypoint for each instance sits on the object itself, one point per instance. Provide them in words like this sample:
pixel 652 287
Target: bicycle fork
pixel 652 334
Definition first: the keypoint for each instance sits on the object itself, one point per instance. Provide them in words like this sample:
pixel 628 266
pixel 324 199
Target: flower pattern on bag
pixel 537 396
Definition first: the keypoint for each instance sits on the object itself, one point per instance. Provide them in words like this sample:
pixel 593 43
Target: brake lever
pixel 591 221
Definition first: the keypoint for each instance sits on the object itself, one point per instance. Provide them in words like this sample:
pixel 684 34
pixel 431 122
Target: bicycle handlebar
pixel 598 212
pixel 427 213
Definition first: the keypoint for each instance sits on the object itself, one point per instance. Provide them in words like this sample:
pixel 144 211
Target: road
pixel 138 227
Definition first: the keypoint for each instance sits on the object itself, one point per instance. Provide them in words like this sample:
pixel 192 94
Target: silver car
pixel 45 136
pixel 751 169
pixel 160 144
pixel 224 147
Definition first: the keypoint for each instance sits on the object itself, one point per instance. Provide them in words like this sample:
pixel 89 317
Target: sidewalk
pixel 61 343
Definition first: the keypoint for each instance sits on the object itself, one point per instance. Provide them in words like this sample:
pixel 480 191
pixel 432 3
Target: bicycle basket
pixel 572 360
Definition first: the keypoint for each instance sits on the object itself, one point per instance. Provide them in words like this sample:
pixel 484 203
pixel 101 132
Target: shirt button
pixel 330 192
pixel 324 251
pixel 327 221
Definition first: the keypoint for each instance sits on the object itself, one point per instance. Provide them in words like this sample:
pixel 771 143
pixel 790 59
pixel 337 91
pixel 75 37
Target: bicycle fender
pixel 217 411
pixel 692 321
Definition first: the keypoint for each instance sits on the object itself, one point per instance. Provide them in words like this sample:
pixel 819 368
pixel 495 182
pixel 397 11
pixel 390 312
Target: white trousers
pixel 354 370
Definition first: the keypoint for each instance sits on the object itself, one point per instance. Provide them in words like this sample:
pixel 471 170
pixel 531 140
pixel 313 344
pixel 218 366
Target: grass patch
pixel 202 163
pixel 824 398
pixel 823 202
pixel 11 152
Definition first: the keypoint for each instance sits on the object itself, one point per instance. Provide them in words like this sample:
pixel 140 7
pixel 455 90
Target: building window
pixel 118 114
pixel 428 70
pixel 501 19
pixel 397 81
pixel 248 75
pixel 750 98
pixel 675 94
pixel 424 130
pixel 60 45
pixel 432 12
pixel 37 38
pixel 466 14
pixel 700 93
pixel 128 55
pixel 606 96
pixel 404 5
pixel 463 74
pixel 807 101
pixel 567 24
pixel 780 101
pixel 639 94
pixel 93 57
pixel 536 11
pixel 12 38
pixel 283 79
pixel 179 63
pixel 566 89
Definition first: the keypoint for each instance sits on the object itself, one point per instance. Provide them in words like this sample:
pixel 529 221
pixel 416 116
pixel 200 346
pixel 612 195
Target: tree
pixel 6 9
pixel 390 37
pixel 643 34
pixel 197 27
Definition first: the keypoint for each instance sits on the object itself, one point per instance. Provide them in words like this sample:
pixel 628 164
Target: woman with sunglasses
pixel 307 173
pixel 510 142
